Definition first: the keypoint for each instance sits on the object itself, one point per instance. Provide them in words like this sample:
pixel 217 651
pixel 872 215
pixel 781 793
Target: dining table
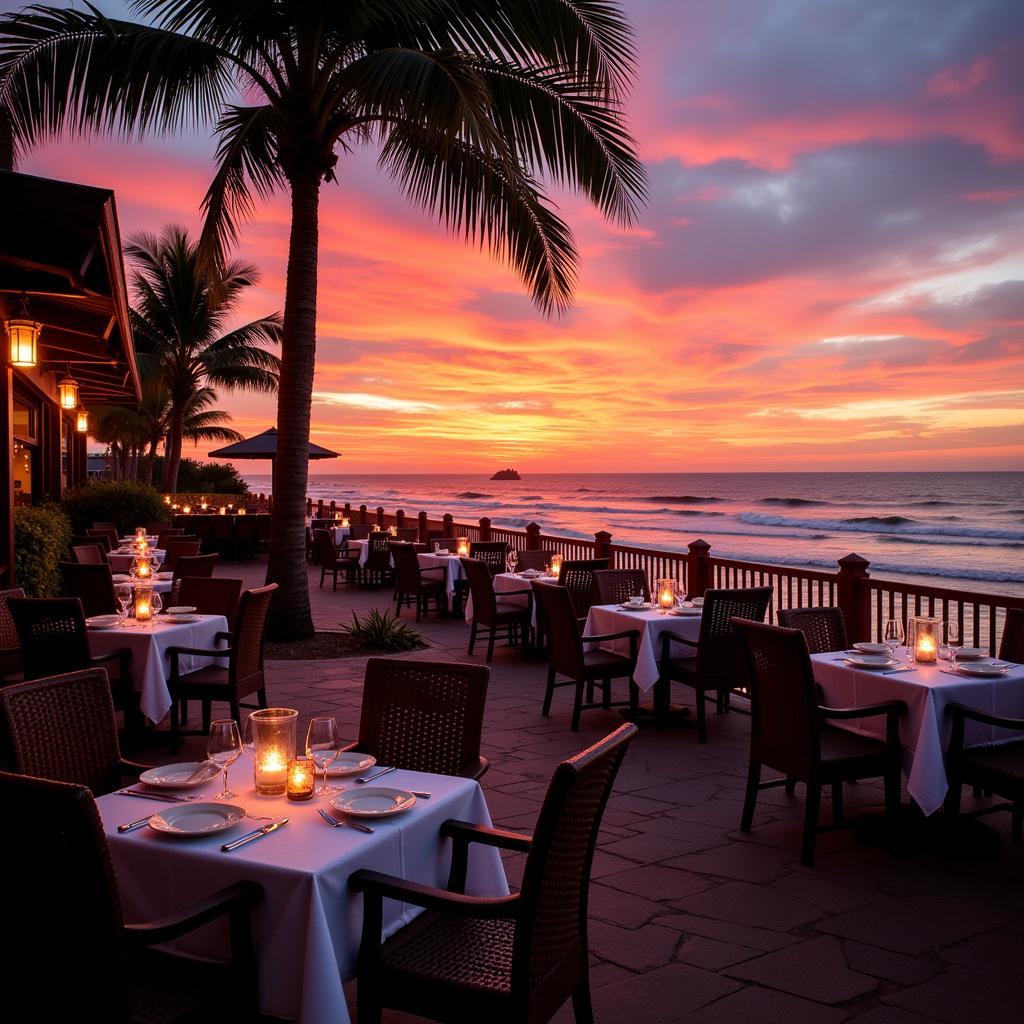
pixel 306 927
pixel 925 728
pixel 121 561
pixel 150 664
pixel 160 586
pixel 452 565
pixel 506 582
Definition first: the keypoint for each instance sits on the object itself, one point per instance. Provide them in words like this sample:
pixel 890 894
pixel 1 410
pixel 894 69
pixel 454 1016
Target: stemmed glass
pixel 953 641
pixel 124 601
pixel 893 636
pixel 322 747
pixel 511 560
pixel 156 602
pixel 224 748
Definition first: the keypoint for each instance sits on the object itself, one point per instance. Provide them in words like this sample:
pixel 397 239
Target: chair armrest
pixel 469 832
pixel 632 634
pixel 498 595
pixel 222 635
pixel 234 898
pixel 379 886
pixel 668 637
pixel 132 768
pixel 962 711
pixel 432 568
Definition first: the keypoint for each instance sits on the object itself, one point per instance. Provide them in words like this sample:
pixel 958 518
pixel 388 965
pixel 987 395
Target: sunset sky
pixel 829 273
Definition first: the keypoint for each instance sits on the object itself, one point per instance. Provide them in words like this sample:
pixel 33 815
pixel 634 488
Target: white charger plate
pixel 181 609
pixel 102 622
pixel 981 668
pixel 635 607
pixel 181 619
pixel 870 661
pixel 970 654
pixel 195 820
pixel 686 611
pixel 373 801
pixel 351 763
pixel 173 776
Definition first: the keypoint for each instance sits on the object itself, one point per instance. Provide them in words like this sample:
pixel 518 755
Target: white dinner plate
pixel 870 661
pixel 686 611
pixel 866 648
pixel 101 621
pixel 635 607
pixel 174 776
pixel 181 620
pixel 531 574
pixel 981 668
pixel 970 654
pixel 373 801
pixel 121 577
pixel 165 575
pixel 181 609
pixel 351 763
pixel 191 820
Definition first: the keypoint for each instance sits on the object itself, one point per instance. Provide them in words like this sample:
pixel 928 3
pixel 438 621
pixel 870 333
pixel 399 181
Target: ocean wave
pixel 695 512
pixel 896 538
pixel 791 502
pixel 553 506
pixel 880 525
pixel 881 520
pixel 530 497
pixel 473 494
pixel 684 499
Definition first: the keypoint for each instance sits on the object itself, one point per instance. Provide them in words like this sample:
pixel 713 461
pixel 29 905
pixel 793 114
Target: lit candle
pixel 666 594
pixel 242 511
pixel 187 510
pixel 301 776
pixel 376 528
pixel 143 569
pixel 167 499
pixel 927 649
pixel 462 547
pixel 140 533
pixel 556 565
pixel 271 772
pixel 337 517
pixel 223 510
pixel 143 604
pixel 393 531
pixel 204 505
pixel 344 522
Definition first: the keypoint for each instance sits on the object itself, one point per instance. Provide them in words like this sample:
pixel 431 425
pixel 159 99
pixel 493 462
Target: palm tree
pixel 470 103
pixel 182 306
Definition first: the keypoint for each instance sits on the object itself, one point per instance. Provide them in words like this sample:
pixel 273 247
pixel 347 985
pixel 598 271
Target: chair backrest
pixel 556 609
pixel 1011 646
pixel 51 634
pixel 63 728
pixel 179 547
pixel 491 553
pixel 164 535
pixel 445 543
pixel 156 526
pixel 550 937
pixel 532 559
pixel 823 628
pixel 105 525
pixel 87 554
pixel 718 654
pixel 8 630
pixel 481 590
pixel 110 532
pixel 92 584
pixel 409 533
pixel 360 531
pixel 407 568
pixel 425 716
pixel 326 549
pixel 784 727
pixel 378 554
pixel 195 565
pixel 577 577
pixel 60 859
pixel 616 586
pixel 245 668
pixel 212 595
pixel 102 538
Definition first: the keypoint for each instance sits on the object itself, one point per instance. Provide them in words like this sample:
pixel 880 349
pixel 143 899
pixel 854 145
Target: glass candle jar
pixel 143 602
pixel 273 732
pixel 556 565
pixel 924 633
pixel 665 594
pixel 301 777
pixel 462 547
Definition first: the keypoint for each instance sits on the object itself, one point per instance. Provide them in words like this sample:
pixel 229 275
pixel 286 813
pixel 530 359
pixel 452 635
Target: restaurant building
pixel 66 334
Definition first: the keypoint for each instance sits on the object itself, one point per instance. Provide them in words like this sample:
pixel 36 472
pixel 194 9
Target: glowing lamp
pixel 392 531
pixel 337 517
pixel 242 511
pixel 462 547
pixel 143 602
pixel 924 634
pixel 666 594
pixel 344 522
pixel 82 421
pixel 67 392
pixel 140 533
pixel 167 499
pixel 301 776
pixel 556 565
pixel 204 505
pixel 376 528
pixel 273 733
pixel 187 509
pixel 24 337
pixel 223 510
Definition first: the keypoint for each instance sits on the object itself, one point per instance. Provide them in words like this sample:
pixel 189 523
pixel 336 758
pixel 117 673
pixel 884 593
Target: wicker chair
pixel 100 537
pixel 445 543
pixel 823 628
pixel 211 595
pixel 63 728
pixel 491 553
pixel 197 566
pixel 10 647
pixel 505 960
pixel 583 667
pixel 243 675
pixel 532 559
pixel 93 585
pixel 155 526
pixel 791 733
pixel 992 768
pixel 60 857
pixel 425 716
pixel 360 531
pixel 164 536
pixel 107 531
pixel 577 578
pixel 376 570
pixel 334 560
pixel 617 586
pixel 180 547
pixel 1011 646
pixel 87 554
pixel 510 619
pixel 410 534
pixel 413 582
pixel 718 664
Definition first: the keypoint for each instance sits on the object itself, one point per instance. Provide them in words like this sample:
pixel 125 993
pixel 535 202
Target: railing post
pixel 380 516
pixel 399 518
pixel 332 508
pixel 449 525
pixel 533 537
pixel 603 545
pixel 423 527
pixel 698 572
pixel 309 506
pixel 485 530
pixel 854 597
pixel 362 515
pixel 320 509
pixel 347 513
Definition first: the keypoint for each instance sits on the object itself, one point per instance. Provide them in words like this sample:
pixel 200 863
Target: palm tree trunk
pixel 290 616
pixel 173 461
pixel 151 459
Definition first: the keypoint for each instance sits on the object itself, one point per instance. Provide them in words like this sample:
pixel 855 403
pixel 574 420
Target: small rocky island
pixel 506 474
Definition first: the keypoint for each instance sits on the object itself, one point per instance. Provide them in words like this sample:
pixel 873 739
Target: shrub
pixel 42 534
pixel 204 477
pixel 125 502
pixel 377 632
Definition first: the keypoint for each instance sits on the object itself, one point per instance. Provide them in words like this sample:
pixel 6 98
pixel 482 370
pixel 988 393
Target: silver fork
pixel 335 823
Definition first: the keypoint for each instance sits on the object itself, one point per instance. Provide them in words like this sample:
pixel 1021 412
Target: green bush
pixel 377 632
pixel 42 534
pixel 125 502
pixel 204 477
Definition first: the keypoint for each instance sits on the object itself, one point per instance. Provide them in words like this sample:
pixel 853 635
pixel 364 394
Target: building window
pixel 25 452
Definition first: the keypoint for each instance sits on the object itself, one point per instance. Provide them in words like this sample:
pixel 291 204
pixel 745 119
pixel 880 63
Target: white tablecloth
pixel 340 534
pixel 306 929
pixel 924 728
pixel 503 583
pixel 150 664
pixel 121 561
pixel 453 570
pixel 160 586
pixel 609 618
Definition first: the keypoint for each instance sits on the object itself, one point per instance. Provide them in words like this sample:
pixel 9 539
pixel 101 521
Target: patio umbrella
pixel 264 446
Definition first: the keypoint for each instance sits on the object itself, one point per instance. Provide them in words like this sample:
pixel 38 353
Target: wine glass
pixel 156 602
pixel 249 738
pixel 224 748
pixel 124 600
pixel 322 747
pixel 511 560
pixel 951 629
pixel 893 636
pixel 133 569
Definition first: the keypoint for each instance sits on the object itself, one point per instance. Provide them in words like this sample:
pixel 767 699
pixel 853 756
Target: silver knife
pixel 250 836
pixel 165 797
pixel 370 778
pixel 132 825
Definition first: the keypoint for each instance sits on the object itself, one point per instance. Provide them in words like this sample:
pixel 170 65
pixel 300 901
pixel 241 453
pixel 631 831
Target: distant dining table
pixel 160 586
pixel 453 571
pixel 504 582
pixel 925 728
pixel 121 561
pixel 306 928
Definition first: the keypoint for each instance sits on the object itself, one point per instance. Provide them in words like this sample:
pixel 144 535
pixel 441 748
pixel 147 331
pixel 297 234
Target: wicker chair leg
pixel 837 803
pixel 323 573
pixel 261 696
pixel 549 693
pixel 606 693
pixel 236 714
pixel 811 812
pixel 490 645
pixel 750 796
pixel 207 716
pixel 702 717
pixel 634 696
pixel 472 637
pixel 577 705
pixel 334 585
pixel 368 1009
pixel 790 787
pixel 953 796
pixel 582 1007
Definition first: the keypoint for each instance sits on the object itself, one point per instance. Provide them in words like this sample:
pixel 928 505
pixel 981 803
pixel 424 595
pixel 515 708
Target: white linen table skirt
pixel 924 728
pixel 150 664
pixel 160 586
pixel 340 534
pixel 307 927
pixel 609 618
pixel 453 570
pixel 503 583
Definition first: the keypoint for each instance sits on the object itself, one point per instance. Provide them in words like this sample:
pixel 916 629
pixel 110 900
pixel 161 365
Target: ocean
pixel 948 529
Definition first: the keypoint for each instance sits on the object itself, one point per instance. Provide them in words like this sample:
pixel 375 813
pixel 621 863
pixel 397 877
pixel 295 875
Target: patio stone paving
pixel 691 920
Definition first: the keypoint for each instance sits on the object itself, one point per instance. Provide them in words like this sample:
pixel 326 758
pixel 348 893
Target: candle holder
pixel 223 510
pixel 665 595
pixel 143 602
pixel 273 732
pixel 187 510
pixel 143 567
pixel 140 533
pixel 556 565
pixel 462 547
pixel 344 522
pixel 924 634
pixel 301 777
pixel 392 531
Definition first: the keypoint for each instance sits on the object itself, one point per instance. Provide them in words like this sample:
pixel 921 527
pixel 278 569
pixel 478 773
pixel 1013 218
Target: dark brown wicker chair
pixel 617 586
pixel 568 657
pixel 491 553
pixel 377 570
pixel 823 628
pixel 1011 646
pixel 360 531
pixel 10 646
pixel 212 595
pixel 577 578
pixel 446 543
pixel 718 664
pixel 791 733
pixel 507 960
pixel 420 584
pixel 196 566
pixel 992 768
pixel 410 534
pixel 532 560
pixel 494 612
pixel 93 585
pixel 154 526
pixel 425 716
pixel 87 554
pixel 63 728
pixel 164 536
pixel 179 547
pixel 244 672
pixel 109 532
pixel 60 858
pixel 335 560
pixel 100 537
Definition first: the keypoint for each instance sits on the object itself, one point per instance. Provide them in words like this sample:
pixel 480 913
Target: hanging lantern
pixel 67 392
pixel 82 420
pixel 24 336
